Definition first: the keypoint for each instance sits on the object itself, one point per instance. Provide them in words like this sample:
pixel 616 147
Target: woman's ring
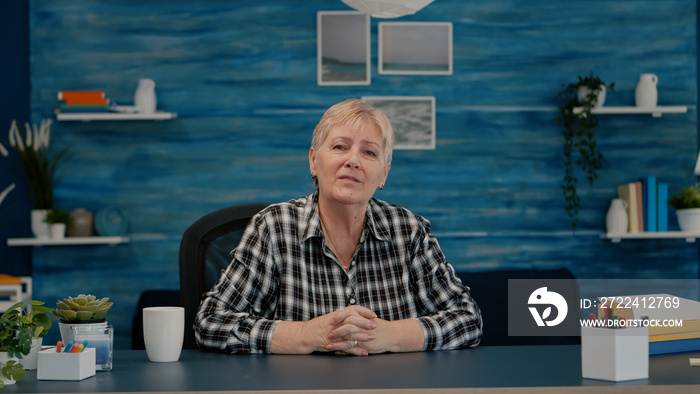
pixel 356 342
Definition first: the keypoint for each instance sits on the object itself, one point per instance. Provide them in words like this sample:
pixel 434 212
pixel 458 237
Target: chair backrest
pixel 490 291
pixel 204 253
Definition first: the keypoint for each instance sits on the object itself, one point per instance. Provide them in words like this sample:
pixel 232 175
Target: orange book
pixel 83 97
pixel 9 279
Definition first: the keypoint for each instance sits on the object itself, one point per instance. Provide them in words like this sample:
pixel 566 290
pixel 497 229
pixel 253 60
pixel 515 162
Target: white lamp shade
pixel 387 8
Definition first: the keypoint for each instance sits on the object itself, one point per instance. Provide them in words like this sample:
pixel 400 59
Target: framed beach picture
pixel 415 48
pixel 413 118
pixel 343 48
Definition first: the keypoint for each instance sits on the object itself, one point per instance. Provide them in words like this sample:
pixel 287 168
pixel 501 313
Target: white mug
pixel 163 332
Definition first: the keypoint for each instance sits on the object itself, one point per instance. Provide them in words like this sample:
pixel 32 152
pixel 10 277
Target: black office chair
pixel 204 253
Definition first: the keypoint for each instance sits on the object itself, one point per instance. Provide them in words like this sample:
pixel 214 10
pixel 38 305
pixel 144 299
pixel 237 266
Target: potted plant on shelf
pixel 686 202
pixel 82 309
pixel 576 102
pixel 40 165
pixel 20 335
pixel 58 220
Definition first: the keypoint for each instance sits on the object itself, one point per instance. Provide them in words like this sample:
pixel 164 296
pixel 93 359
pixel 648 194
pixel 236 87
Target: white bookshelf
pixel 67 241
pixel 653 111
pixel 87 117
pixel 618 237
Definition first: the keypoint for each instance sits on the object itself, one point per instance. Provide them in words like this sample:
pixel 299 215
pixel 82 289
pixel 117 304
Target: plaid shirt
pixel 284 270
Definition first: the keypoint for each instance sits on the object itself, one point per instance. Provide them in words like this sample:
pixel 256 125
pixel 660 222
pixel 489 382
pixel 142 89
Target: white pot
pixel 4 358
pixel 67 335
pixel 689 219
pixel 30 360
pixel 57 230
pixel 39 226
pixel 583 92
pixel 646 95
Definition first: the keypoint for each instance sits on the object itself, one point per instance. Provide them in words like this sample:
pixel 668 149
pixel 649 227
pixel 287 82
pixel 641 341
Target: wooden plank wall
pixel 242 77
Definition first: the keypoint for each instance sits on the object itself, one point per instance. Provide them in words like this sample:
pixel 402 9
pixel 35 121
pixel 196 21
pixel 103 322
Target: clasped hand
pixel 354 330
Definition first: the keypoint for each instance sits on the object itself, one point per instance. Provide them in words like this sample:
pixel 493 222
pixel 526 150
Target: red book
pixel 83 97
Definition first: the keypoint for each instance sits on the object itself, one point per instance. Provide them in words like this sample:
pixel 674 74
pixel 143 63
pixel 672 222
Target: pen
pixel 68 346
pixel 73 348
pixel 80 348
pixel 59 344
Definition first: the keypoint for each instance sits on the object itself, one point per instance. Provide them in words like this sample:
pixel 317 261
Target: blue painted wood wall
pixel 242 77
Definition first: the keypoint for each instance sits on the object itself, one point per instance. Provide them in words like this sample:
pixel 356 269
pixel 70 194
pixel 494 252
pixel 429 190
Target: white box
pixel 615 354
pixel 66 366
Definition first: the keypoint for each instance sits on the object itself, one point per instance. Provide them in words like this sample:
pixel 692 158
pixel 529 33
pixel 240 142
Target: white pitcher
pixel 646 94
pixel 145 96
pixel 617 220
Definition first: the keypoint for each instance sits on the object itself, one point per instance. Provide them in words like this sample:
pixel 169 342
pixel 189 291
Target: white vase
pixel 689 219
pixel 39 226
pixel 145 96
pixel 646 95
pixel 583 91
pixel 617 220
pixel 65 329
pixel 4 358
pixel 30 360
pixel 57 230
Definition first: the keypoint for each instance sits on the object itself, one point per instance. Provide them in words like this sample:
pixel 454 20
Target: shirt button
pixel 352 301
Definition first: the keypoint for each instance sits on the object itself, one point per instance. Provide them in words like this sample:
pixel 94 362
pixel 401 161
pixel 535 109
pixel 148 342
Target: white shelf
pixel 688 236
pixel 654 111
pixel 87 117
pixel 67 241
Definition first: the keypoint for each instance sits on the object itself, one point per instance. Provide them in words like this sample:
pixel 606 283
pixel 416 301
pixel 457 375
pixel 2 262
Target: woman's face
pixel 350 164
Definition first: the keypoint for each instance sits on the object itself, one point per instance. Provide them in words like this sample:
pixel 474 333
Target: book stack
pixel 665 336
pixel 82 101
pixel 647 204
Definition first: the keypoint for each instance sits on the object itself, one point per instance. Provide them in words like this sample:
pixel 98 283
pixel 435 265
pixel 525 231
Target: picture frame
pixel 343 48
pixel 415 48
pixel 413 119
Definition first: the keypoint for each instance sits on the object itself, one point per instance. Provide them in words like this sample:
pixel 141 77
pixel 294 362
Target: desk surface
pixel 540 369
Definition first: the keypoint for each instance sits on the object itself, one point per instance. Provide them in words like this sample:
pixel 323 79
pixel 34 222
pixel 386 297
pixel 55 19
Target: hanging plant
pixel 576 100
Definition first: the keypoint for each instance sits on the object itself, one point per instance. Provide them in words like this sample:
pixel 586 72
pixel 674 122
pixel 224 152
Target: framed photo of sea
pixel 415 48
pixel 343 48
pixel 413 118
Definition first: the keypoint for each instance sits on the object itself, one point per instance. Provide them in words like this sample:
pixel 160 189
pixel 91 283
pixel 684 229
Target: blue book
pixel 650 203
pixel 662 207
pixel 674 346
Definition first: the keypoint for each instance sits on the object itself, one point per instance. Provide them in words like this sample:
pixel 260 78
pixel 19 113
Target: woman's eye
pixel 371 153
pixel 339 147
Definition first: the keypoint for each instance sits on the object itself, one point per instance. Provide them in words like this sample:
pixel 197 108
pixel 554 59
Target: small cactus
pixel 83 308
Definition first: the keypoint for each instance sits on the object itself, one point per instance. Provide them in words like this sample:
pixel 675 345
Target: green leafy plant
pixel 686 198
pixel 82 309
pixel 580 146
pixel 39 162
pixel 17 328
pixel 58 215
pixel 12 370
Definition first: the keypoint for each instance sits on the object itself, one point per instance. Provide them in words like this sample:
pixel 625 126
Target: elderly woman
pixel 339 271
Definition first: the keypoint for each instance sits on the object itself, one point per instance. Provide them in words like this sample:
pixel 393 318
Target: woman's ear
pixel 312 159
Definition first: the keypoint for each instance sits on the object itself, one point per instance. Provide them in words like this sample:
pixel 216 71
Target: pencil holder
pixel 65 366
pixel 615 354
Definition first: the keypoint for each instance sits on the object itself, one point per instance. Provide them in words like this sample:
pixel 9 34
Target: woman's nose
pixel 353 159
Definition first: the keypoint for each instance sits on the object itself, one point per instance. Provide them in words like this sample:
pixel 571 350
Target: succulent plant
pixel 82 309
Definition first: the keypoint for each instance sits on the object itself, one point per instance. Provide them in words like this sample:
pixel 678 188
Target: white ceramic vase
pixel 30 360
pixel 57 230
pixel 617 220
pixel 145 96
pixel 689 219
pixel 65 329
pixel 583 91
pixel 39 226
pixel 646 95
